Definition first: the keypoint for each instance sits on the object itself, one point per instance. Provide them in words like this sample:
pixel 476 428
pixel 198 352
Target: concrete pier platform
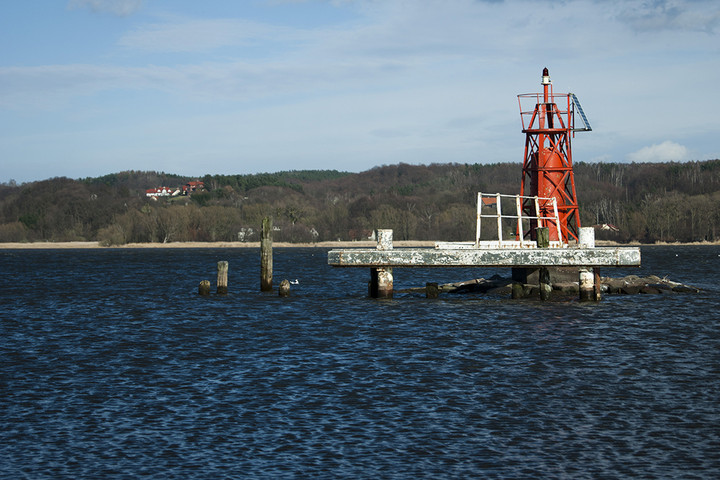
pixel 540 257
pixel 584 257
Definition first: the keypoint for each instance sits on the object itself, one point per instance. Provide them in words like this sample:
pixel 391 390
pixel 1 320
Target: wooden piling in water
pixel 222 277
pixel 597 290
pixel 284 289
pixel 204 288
pixel 266 256
pixel 432 290
pixel 381 279
pixel 545 284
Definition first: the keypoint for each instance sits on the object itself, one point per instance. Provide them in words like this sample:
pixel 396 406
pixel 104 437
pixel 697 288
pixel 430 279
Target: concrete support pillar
pixel 589 277
pixel 518 290
pixel 520 277
pixel 587 284
pixel 384 239
pixel 381 282
pixel 381 278
pixel 586 237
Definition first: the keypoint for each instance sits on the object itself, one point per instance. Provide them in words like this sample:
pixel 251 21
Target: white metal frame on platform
pixel 542 221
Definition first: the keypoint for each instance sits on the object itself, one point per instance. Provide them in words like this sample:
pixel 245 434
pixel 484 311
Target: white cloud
pixel 679 15
pixel 121 8
pixel 666 151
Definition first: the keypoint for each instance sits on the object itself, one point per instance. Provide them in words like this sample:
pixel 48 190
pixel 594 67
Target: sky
pixel 93 87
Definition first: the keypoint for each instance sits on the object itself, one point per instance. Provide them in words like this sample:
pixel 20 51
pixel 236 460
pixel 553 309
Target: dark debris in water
pixel 628 285
pixel 633 284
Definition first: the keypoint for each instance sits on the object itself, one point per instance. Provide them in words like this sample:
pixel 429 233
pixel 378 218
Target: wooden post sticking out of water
pixel 381 279
pixel 543 241
pixel 222 278
pixel 284 290
pixel 597 290
pixel 432 290
pixel 266 259
pixel 204 288
pixel 589 277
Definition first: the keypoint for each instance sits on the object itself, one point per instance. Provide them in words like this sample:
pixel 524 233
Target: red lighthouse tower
pixel 547 167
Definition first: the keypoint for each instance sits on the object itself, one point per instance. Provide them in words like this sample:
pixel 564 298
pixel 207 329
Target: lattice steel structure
pixel 547 167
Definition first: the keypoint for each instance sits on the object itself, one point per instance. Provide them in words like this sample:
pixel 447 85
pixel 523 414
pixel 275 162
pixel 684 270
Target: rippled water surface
pixel 111 366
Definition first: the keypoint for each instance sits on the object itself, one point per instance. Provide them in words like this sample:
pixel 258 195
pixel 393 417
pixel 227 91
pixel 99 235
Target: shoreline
pixel 335 244
pixel 96 245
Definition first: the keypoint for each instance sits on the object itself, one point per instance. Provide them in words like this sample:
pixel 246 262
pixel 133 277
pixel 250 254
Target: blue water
pixel 111 366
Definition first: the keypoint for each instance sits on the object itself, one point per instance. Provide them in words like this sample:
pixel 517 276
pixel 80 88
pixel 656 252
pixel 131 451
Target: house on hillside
pixel 190 187
pixel 361 234
pixel 194 186
pixel 161 192
pixel 606 227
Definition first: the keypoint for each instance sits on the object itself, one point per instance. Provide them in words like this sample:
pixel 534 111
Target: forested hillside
pixel 646 202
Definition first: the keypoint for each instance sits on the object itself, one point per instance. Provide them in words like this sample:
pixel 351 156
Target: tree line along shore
pixel 256 245
pixel 76 245
pixel 628 203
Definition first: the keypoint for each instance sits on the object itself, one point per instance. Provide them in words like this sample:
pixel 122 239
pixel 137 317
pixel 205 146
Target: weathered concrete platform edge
pixel 430 257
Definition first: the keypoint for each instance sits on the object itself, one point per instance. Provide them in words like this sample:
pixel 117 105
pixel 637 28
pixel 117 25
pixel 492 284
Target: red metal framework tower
pixel 547 167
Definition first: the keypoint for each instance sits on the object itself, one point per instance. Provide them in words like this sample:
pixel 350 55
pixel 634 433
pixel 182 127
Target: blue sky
pixel 91 87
